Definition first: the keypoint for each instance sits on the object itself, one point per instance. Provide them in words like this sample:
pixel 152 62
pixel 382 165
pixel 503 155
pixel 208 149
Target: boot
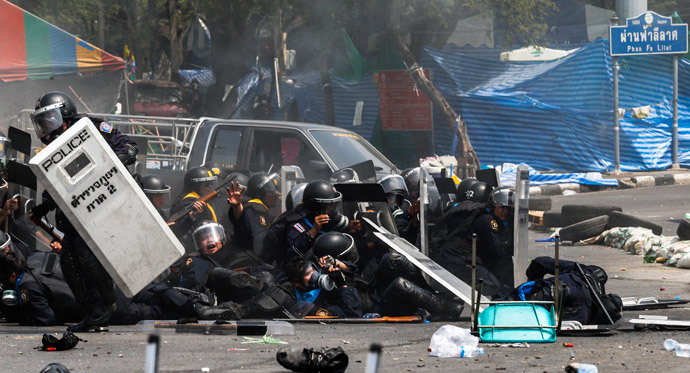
pixel 219 278
pixel 204 312
pixel 440 307
pixel 98 320
pixel 309 360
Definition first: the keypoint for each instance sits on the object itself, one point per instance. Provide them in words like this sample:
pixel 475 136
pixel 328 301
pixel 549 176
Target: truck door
pixel 225 147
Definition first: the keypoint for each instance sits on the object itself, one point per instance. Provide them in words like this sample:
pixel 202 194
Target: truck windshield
pixel 346 149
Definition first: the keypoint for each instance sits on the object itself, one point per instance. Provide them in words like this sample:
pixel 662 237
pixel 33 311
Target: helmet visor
pixel 209 235
pixel 160 198
pixel 271 184
pixel 391 183
pixel 47 119
pixel 329 205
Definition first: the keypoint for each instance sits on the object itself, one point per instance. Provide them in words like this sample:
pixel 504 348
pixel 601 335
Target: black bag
pixel 67 342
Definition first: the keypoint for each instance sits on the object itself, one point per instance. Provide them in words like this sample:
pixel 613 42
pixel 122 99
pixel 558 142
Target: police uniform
pixel 341 302
pixel 82 270
pixel 44 297
pixel 250 228
pixel 451 245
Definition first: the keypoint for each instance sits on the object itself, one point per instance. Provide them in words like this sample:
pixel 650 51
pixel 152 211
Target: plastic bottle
pixel 681 349
pixel 471 351
pixel 587 368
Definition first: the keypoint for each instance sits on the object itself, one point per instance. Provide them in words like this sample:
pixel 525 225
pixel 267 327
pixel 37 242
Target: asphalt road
pixel 405 345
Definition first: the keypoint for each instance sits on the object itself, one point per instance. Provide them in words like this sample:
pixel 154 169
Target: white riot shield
pixel 289 177
pixel 106 206
pixel 423 204
pixel 521 224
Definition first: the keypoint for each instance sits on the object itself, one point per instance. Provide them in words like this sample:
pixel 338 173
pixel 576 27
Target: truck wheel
pixel 619 219
pixel 576 213
pixel 540 203
pixel 585 229
pixel 683 230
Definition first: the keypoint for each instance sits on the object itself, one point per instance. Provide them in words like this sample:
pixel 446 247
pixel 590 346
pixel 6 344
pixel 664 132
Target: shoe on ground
pixel 228 312
pixel 325 360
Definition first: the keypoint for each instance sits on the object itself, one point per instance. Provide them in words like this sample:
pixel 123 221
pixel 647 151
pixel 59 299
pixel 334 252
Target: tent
pixel 38 57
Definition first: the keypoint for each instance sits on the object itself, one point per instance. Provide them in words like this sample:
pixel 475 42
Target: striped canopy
pixel 35 49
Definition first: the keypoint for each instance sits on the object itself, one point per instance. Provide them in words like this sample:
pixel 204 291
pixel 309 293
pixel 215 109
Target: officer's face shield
pixel 209 238
pixel 344 176
pixel 503 202
pixel 271 189
pixel 393 183
pixel 47 119
pixel 330 206
pixel 160 198
pixel 206 184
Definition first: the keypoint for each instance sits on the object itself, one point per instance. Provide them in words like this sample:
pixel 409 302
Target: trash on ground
pixel 452 341
pixel 581 368
pixel 52 343
pixel 514 345
pixel 324 360
pixel 265 339
pixel 681 349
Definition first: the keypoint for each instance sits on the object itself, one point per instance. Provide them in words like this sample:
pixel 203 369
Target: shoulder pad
pixel 105 127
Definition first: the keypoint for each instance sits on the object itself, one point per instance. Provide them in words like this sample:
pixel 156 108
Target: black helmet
pixel 156 190
pixel 478 192
pixel 218 170
pixel 394 184
pixel 344 176
pixel 238 177
pixel 196 177
pixel 5 241
pixel 463 187
pixel 294 198
pixel 261 183
pixel 318 194
pixel 338 245
pixel 503 196
pixel 51 111
pixel 55 368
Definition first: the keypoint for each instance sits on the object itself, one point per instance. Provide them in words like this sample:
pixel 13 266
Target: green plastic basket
pixel 508 322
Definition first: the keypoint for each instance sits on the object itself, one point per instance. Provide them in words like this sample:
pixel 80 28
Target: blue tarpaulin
pixel 555 115
pixel 536 178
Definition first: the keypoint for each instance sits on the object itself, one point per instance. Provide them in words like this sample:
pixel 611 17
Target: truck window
pixel 272 149
pixel 226 147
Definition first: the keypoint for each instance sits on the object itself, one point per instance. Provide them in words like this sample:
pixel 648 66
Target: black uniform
pixel 251 227
pixel 44 296
pixel 82 270
pixel 184 225
pixel 341 302
pixel 451 245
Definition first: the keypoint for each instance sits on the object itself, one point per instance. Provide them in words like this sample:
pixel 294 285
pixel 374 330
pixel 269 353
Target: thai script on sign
pixel 643 36
pixel 103 181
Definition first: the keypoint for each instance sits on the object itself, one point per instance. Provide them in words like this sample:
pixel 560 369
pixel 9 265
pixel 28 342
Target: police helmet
pixel 156 190
pixel 196 177
pixel 238 177
pixel 340 246
pixel 218 169
pixel 294 197
pixel 394 184
pixel 208 229
pixel 261 183
pixel 463 187
pixel 478 192
pixel 55 368
pixel 503 196
pixel 344 176
pixel 319 194
pixel 5 241
pixel 51 111
pixel 412 176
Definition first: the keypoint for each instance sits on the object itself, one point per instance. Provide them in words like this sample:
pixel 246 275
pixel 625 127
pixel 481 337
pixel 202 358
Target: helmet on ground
pixel 294 198
pixel 463 187
pixel 51 111
pixel 338 245
pixel 207 234
pixel 344 176
pixel 261 183
pixel 319 195
pixel 503 196
pixel 196 177
pixel 478 192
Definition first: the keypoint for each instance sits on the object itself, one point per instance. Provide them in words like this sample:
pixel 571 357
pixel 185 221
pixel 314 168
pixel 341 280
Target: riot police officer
pixel 198 182
pixel 157 192
pixel 251 219
pixel 294 231
pixel 54 113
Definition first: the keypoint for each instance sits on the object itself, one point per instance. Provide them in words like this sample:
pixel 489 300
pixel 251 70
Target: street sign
pixel 648 33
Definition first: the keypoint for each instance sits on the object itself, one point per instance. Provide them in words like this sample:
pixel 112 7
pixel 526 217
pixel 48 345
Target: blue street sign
pixel 648 33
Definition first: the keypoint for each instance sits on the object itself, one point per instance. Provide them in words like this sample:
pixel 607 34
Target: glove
pixel 130 157
pixel 338 278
